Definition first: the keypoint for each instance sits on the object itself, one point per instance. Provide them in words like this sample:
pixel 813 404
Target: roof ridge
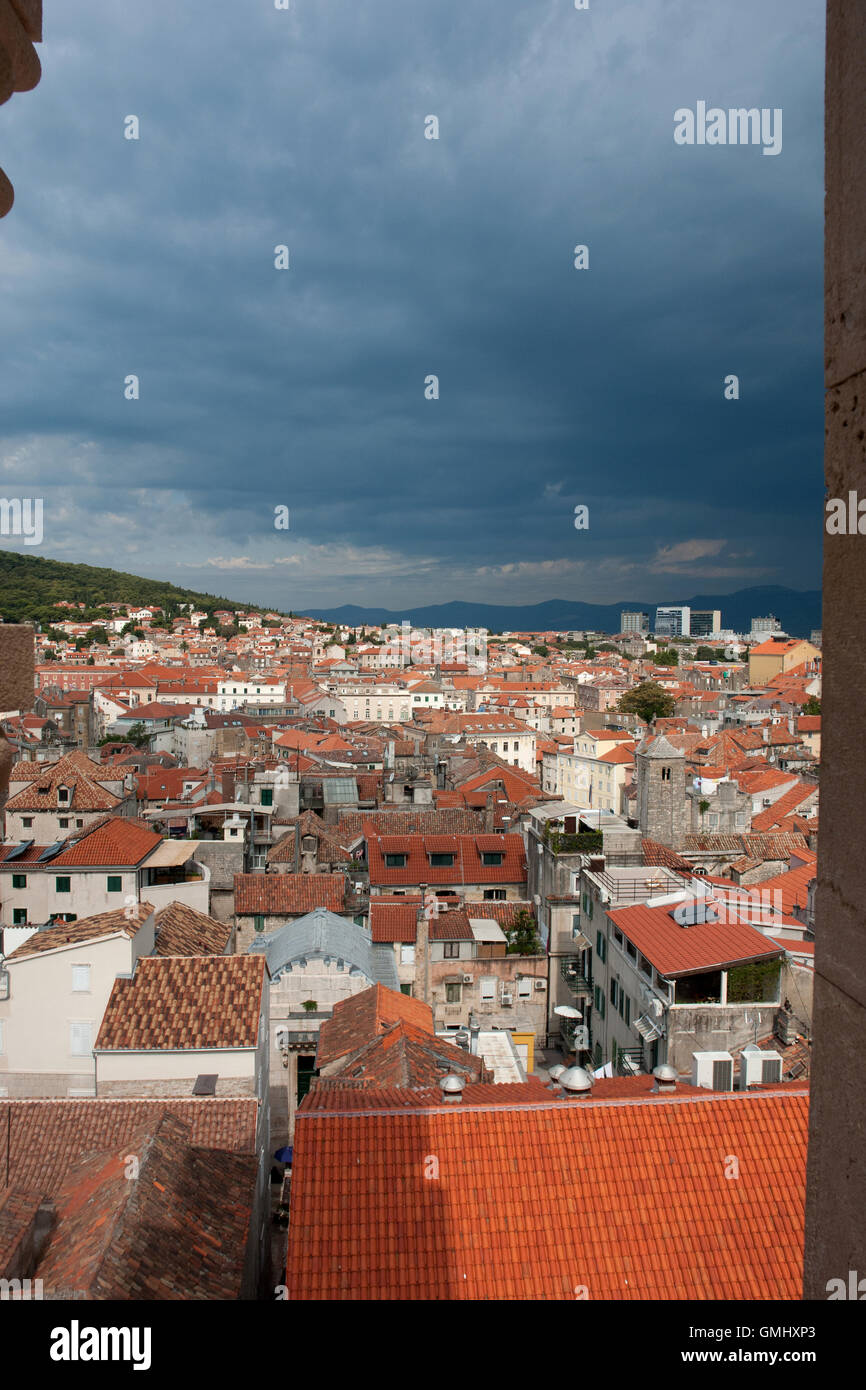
pixel 563 1103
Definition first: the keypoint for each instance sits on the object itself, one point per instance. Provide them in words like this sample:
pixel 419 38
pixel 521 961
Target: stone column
pixel 836 1183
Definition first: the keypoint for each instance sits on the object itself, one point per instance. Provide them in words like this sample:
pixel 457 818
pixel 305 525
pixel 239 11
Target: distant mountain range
pixel 31 585
pixel 799 612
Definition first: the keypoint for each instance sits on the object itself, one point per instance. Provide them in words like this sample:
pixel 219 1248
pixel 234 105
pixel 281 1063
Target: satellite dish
pixel 566 1011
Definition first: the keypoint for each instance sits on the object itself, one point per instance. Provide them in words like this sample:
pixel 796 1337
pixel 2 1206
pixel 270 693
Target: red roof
pixel 116 841
pixel 364 1016
pixel 674 950
pixel 467 866
pixel 294 894
pixel 539 1198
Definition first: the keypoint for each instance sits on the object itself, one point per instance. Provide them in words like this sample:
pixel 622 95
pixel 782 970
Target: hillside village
pixel 291 902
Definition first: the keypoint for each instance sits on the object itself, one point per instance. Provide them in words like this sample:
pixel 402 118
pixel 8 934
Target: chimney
pixel 474 1032
pixel 488 813
pixel 421 987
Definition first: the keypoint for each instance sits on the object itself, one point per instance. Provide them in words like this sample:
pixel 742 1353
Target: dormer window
pixel 441 861
pixel 491 859
pixel 395 861
pixel 64 795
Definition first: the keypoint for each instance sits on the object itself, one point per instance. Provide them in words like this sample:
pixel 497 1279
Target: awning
pixel 648 1029
pixel 170 854
pixel 486 930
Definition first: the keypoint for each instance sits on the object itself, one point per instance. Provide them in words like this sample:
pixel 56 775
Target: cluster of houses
pixel 235 903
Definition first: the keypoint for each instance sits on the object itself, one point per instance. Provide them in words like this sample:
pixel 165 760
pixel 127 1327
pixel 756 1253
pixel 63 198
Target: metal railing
pixel 629 1061
pixel 577 981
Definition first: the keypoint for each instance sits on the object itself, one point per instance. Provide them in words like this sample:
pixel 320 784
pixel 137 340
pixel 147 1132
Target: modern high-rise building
pixel 634 622
pixel 705 622
pixel 764 627
pixel 673 621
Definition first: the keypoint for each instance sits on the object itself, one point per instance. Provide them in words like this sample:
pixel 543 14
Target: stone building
pixel 661 792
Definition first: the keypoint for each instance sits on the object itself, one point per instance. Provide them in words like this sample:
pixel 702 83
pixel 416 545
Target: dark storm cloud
pixel 411 257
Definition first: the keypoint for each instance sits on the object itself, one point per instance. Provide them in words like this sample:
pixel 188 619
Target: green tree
pixel 648 700
pixel 667 657
pixel 138 736
pixel 542 650
pixel 812 706
pixel 522 936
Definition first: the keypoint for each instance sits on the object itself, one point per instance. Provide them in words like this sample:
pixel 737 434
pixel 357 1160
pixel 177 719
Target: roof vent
pixel 666 1078
pixel 575 1081
pixel 452 1087
pixel 554 1074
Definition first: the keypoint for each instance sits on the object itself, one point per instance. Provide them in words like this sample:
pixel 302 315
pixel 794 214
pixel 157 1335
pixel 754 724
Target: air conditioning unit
pixel 758 1067
pixel 468 979
pixel 539 984
pixel 505 1000
pixel 713 1070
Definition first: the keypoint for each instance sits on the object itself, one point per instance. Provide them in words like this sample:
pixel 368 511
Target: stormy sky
pixel 408 257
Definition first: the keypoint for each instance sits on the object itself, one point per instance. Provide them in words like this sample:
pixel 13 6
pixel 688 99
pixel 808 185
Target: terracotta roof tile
pixel 101 924
pixel 674 950
pixel 293 894
pixel 467 867
pixel 522 1203
pixel 180 1002
pixel 179 1231
pixel 183 931
pixel 364 1016
pixel 46 1138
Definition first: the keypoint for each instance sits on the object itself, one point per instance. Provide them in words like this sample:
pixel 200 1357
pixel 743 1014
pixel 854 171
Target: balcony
pixel 578 983
pixel 629 1061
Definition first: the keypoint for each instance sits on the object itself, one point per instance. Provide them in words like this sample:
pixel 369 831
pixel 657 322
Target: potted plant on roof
pixel 310 1005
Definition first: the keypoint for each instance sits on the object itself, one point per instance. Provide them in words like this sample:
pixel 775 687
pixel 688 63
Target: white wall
pixel 42 1003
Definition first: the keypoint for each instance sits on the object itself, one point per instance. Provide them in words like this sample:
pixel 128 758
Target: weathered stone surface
pixel 835 1240
pixel 836 1183
pixel 17 648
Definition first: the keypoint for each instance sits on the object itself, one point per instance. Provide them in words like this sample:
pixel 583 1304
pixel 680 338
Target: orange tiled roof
pixel 47 1137
pixel 101 924
pixel 793 885
pixel 183 931
pixel 674 950
pixel 540 1198
pixel 296 894
pixel 111 841
pixel 787 803
pixel 407 1056
pixel 364 1016
pixel 180 1002
pixel 467 867
pixel 179 1232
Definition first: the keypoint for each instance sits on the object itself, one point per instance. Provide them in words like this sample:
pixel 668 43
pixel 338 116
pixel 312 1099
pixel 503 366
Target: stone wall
pixel 836 1183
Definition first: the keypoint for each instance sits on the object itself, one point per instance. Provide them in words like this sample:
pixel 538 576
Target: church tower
pixel 661 792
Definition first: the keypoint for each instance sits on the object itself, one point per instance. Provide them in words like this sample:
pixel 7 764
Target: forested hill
pixel 30 585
